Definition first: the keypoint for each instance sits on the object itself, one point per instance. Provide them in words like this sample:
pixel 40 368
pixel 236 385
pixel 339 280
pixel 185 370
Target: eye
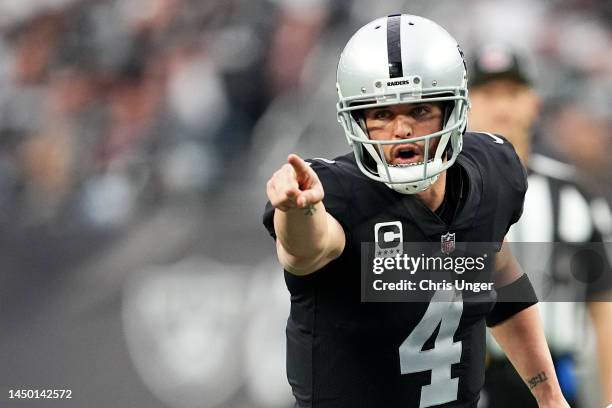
pixel 420 111
pixel 382 114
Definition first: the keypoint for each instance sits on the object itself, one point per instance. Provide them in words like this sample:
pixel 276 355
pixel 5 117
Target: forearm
pixel 307 239
pixel 302 231
pixel 522 339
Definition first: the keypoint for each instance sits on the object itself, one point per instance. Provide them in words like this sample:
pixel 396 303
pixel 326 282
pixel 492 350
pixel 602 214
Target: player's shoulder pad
pixel 341 166
pixel 491 145
pixel 322 159
pixel 484 140
pixel 322 166
pixel 496 157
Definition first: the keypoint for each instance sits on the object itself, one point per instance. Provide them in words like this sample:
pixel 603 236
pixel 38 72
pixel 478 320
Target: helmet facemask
pixel 414 177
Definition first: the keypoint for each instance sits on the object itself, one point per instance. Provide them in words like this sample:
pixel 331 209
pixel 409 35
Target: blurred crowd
pixel 141 132
pixel 109 106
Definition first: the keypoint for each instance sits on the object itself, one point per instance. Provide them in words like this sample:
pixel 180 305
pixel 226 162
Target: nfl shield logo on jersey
pixel 447 243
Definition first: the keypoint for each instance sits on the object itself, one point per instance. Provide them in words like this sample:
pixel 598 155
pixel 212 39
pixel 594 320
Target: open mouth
pixel 407 154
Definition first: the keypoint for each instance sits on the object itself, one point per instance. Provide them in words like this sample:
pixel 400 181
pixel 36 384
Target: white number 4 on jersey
pixel 445 310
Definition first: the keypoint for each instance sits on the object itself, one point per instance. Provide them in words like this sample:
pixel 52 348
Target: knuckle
pixel 281 201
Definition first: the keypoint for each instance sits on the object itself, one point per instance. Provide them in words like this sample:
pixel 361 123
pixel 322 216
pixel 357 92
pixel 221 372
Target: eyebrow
pixel 412 106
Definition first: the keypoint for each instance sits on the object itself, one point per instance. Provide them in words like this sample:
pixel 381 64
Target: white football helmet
pixel 402 59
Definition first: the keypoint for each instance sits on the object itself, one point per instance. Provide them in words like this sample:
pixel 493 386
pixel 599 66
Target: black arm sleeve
pixel 511 299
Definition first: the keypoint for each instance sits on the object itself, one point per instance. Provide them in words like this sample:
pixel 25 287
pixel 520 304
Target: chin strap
pixel 415 186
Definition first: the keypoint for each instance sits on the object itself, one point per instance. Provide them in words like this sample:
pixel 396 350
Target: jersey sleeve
pixel 508 168
pixel 520 197
pixel 515 174
pixel 504 179
pixel 335 199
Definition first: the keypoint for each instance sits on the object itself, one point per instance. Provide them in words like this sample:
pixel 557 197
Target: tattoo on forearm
pixel 534 381
pixel 310 210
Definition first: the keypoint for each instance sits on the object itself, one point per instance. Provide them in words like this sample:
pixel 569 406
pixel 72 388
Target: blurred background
pixel 136 137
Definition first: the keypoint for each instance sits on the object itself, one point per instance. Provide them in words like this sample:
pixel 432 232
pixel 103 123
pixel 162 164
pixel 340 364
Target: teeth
pixel 409 164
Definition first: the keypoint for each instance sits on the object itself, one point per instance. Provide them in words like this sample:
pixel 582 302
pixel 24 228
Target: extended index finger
pixel 298 164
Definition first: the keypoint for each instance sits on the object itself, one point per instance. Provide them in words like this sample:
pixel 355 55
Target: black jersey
pixel 345 353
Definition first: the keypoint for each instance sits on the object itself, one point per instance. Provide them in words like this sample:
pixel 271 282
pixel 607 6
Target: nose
pixel 402 127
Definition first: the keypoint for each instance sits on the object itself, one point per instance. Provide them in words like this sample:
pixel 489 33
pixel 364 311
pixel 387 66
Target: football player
pixel 403 102
pixel 558 210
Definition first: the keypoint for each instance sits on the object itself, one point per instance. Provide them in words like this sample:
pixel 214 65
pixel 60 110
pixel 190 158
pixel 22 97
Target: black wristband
pixel 511 299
